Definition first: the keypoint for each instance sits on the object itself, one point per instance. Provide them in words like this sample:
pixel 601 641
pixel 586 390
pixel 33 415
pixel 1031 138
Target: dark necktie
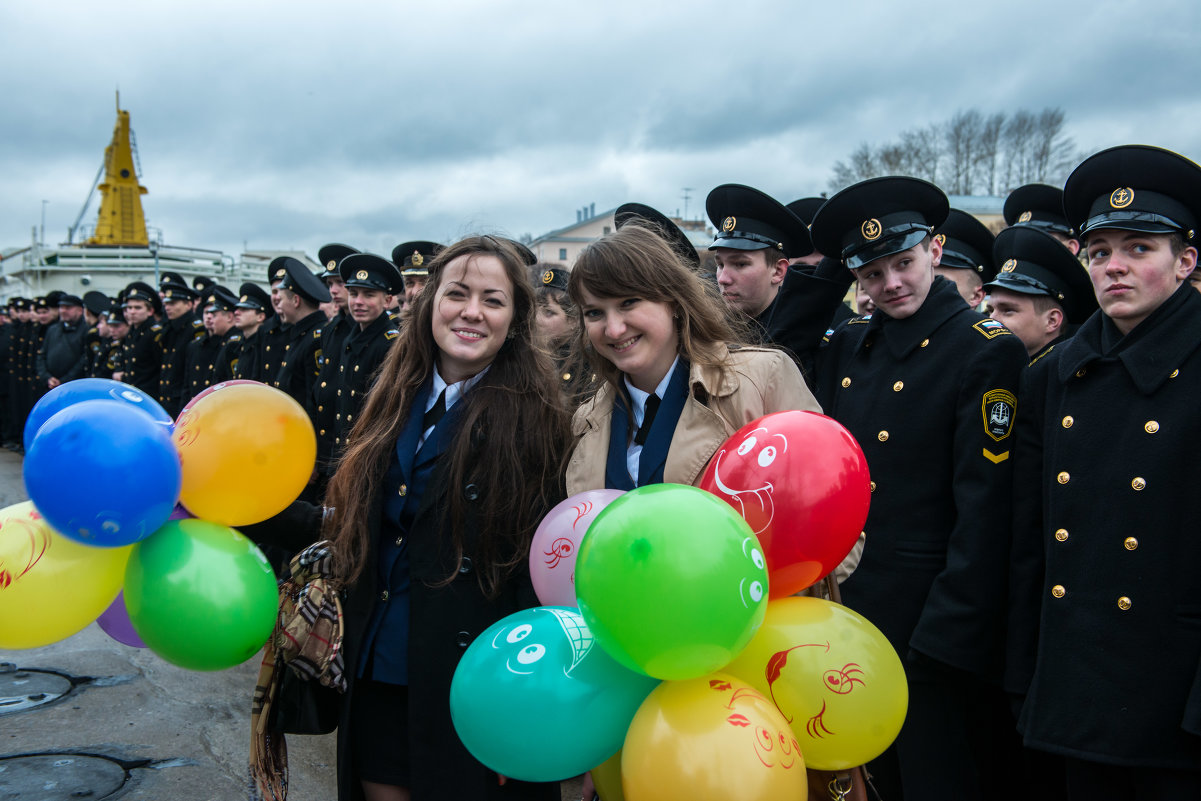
pixel 435 413
pixel 652 406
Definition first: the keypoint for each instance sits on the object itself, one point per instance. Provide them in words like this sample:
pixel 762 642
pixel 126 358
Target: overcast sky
pixel 288 125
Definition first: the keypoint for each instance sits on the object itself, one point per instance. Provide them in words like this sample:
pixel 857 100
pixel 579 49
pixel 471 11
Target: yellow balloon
pixel 711 739
pixel 838 681
pixel 50 585
pixel 606 778
pixel 247 451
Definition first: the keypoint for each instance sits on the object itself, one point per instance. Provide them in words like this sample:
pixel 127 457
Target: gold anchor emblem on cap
pixel 870 229
pixel 331 264
pixel 1121 197
pixel 1009 266
pixel 941 239
pixel 361 275
pixel 548 276
pixel 280 273
pixel 417 259
pixel 728 224
pixel 1025 216
pixel 243 299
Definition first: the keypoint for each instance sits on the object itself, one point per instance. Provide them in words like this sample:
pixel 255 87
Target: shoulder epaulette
pixel 990 329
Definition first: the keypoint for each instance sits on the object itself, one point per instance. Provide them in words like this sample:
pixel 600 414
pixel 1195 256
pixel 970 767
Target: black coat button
pixel 471 492
pixel 465 567
pixel 464 639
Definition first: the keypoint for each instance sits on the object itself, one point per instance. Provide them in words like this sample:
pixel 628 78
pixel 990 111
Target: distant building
pixel 985 208
pixel 563 245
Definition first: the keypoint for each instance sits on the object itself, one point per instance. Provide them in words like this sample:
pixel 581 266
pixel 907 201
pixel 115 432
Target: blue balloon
pixel 535 697
pixel 85 389
pixel 103 473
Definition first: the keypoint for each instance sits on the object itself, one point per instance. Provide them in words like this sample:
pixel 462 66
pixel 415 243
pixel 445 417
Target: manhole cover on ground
pixel 23 689
pixel 59 777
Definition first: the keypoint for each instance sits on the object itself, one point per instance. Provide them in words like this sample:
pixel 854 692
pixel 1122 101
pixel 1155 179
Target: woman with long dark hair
pixel 453 461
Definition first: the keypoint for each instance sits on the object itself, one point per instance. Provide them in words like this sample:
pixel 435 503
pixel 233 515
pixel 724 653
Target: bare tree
pixel 960 140
pixel 988 150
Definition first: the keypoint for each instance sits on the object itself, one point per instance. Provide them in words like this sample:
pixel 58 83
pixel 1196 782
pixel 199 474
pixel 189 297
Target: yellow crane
pixel 121 220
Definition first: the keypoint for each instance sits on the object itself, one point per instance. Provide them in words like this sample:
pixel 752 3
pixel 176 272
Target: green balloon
pixel 200 595
pixel 671 581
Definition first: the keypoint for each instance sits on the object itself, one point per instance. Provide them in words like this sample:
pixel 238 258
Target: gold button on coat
pixel 383 596
pixel 1058 591
pixel 882 436
pixel 1061 534
pixel 1173 374
pixel 846 382
pixel 1151 427
pixel 1080 373
pixel 925 342
pixel 1138 483
pixel 897 387
pixel 1063 478
pixel 1131 543
pixel 1067 421
pixel 400 540
pixel 873 488
pixel 1125 603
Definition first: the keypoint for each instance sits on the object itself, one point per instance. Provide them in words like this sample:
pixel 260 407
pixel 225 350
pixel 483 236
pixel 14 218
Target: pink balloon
pixel 557 541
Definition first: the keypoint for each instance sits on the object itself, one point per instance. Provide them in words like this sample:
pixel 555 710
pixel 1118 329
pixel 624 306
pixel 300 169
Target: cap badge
pixel 870 229
pixel 1009 266
pixel 1121 197
pixel 361 275
pixel 212 299
pixel 941 239
pixel 728 224
pixel 417 259
pixel 280 273
pixel 1026 216
pixel 548 276
pixel 331 264
pixel 243 299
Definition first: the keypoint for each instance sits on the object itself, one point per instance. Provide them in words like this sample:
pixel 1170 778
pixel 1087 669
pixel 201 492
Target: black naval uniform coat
pixel 321 406
pixel 226 365
pixel 444 620
pixel 1105 631
pixel 361 354
pixel 249 353
pixel 931 400
pixel 200 363
pixel 301 359
pixel 142 355
pixel 35 386
pixel 272 346
pixel 96 348
pixel 174 378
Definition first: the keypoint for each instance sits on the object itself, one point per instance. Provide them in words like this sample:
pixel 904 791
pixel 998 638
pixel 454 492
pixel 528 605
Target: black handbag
pixel 305 707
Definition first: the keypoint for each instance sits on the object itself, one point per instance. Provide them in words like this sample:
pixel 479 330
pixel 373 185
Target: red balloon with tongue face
pixel 801 481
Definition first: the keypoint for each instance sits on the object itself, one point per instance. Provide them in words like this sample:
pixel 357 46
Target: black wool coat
pixel 1105 629
pixel 444 620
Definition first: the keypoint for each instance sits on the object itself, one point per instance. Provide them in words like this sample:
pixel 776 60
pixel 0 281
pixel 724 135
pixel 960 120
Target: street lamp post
pixel 154 252
pixel 42 235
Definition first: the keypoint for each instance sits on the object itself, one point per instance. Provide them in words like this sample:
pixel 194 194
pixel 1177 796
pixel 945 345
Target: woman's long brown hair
pixel 512 435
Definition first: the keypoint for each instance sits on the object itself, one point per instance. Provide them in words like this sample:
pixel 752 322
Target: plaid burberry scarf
pixel 308 639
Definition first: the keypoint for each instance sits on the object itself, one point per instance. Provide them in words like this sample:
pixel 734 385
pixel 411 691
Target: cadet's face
pixel 337 292
pixel 552 320
pixel 209 317
pixel 639 336
pixel 367 304
pixel 898 284
pixel 176 308
pixel 1133 273
pixel 222 322
pixel 249 319
pixel 136 312
pixel 473 309
pixel 70 314
pixel 118 331
pixel 745 279
pixel 275 296
pixel 863 303
pixel 413 286
pixel 1019 315
pixel 46 315
pixel 970 287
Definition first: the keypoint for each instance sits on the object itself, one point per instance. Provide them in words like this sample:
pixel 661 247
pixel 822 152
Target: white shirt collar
pixel 638 397
pixel 453 391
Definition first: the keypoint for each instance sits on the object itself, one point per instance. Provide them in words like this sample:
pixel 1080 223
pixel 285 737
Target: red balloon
pixel 800 480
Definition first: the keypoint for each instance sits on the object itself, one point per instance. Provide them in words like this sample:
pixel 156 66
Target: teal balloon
pixel 672 581
pixel 200 595
pixel 535 699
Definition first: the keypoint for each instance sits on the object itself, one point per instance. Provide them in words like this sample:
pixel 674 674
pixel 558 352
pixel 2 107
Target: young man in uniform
pixel 1106 591
pixel 300 293
pixel 250 313
pixel 927 387
pixel 412 259
pixel 966 255
pixel 141 348
pixel 182 326
pixel 1041 206
pixel 1041 292
pixel 325 391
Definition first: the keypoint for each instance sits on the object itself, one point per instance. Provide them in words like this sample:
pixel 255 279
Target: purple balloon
pixel 116 624
pixel 181 513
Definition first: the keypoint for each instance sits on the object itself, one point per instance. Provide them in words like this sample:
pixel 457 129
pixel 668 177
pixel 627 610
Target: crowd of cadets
pixel 939 396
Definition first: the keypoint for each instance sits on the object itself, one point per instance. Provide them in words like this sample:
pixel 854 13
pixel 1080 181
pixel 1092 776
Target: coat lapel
pixel 617 473
pixel 663 428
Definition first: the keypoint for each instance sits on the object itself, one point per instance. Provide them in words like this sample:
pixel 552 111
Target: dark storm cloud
pixel 286 125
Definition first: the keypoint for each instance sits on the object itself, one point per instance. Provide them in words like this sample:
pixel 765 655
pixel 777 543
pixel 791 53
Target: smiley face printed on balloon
pixel 752 589
pixel 24 544
pixel 742 475
pixel 775 745
pixel 527 642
